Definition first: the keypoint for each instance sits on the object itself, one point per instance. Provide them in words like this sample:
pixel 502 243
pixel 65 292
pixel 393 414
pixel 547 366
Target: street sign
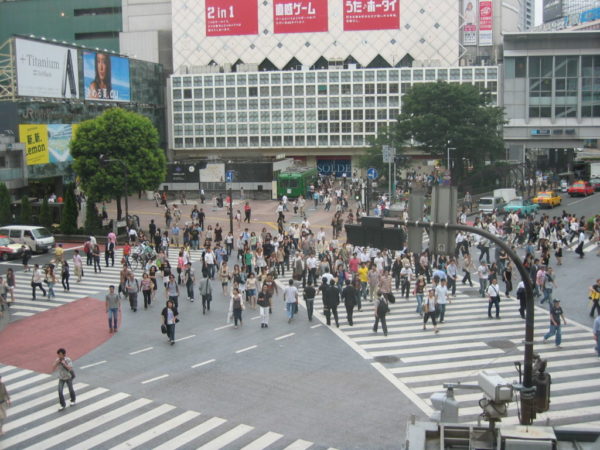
pixel 372 173
pixel 388 154
pixel 229 176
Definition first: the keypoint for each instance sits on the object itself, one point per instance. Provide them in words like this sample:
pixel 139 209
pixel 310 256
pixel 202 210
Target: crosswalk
pixel 116 420
pixel 419 361
pixel 91 283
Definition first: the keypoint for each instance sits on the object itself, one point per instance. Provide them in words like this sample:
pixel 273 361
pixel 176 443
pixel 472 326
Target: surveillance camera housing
pixel 494 386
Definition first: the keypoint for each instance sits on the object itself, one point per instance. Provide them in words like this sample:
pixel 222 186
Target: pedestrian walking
pixel 596 331
pixel 290 297
pixel 205 290
pixel 132 287
pixel 493 292
pixel 236 306
pixel 441 297
pixel 172 289
pixel 78 265
pixel 189 277
pixel 4 404
pixel 350 296
pixel 309 299
pixel 96 258
pixel 594 296
pixel 556 314
pixel 26 257
pixel 36 281
pixel 146 286
pixel 521 298
pixel 381 308
pixel 64 276
pixel 64 366
pixel 483 273
pixel 170 317
pixel 113 308
pixel 11 284
pixel 429 310
pixel 331 300
pixel 50 280
pixel 579 249
pixel 264 304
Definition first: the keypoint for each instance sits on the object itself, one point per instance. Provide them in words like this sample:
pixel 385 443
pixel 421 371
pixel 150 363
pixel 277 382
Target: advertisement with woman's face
pixel 106 77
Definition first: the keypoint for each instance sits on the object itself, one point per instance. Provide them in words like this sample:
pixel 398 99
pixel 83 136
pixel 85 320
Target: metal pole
pixel 528 392
pixel 390 179
pixel 230 210
pixel 126 195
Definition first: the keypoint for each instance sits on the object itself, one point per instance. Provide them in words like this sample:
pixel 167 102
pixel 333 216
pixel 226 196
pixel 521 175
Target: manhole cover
pixel 386 359
pixel 502 344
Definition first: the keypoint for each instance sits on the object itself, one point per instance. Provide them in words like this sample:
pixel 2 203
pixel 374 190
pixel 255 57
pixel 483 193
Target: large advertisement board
pixel 47 143
pixel 231 17
pixel 486 20
pixel 362 15
pixel 552 10
pixel 46 70
pixel 470 22
pixel 299 16
pixel 106 77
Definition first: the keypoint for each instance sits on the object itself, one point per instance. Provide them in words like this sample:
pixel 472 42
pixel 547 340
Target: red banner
pixel 299 16
pixel 371 15
pixel 231 17
pixel 486 18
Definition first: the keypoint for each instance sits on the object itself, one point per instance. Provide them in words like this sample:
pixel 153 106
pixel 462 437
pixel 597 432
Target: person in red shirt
pixel 126 252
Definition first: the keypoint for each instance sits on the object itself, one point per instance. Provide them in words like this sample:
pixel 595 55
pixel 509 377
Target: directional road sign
pixel 229 176
pixel 372 173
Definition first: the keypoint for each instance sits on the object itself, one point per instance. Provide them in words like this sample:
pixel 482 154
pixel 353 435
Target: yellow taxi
pixel 548 199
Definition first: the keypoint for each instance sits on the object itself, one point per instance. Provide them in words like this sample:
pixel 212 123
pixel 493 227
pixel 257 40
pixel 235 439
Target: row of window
pixel 287 116
pixel 271 141
pixel 277 128
pixel 334 76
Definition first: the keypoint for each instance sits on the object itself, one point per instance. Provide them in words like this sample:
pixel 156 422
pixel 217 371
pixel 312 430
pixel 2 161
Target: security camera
pixel 494 386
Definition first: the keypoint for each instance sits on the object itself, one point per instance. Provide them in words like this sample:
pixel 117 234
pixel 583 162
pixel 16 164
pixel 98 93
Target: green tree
pixel 438 116
pixel 25 216
pixel 372 157
pixel 68 222
pixel 5 214
pixel 93 221
pixel 45 216
pixel 128 144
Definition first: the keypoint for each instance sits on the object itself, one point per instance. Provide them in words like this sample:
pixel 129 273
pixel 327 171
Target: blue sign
pixel 229 176
pixel 372 173
pixel 335 166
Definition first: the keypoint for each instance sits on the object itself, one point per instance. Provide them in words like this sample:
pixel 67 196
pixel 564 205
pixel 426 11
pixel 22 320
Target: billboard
pixel 337 166
pixel 552 10
pixel 46 70
pixel 47 143
pixel 231 17
pixel 106 77
pixel 299 16
pixel 362 15
pixel 486 19
pixel 470 22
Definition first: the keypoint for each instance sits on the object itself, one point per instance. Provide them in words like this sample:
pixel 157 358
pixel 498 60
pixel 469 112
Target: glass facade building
pixel 310 112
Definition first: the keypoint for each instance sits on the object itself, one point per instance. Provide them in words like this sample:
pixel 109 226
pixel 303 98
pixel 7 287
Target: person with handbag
pixel 429 310
pixel 64 365
pixel 169 316
pixel 381 308
pixel 594 297
pixel 205 290
pixel 493 292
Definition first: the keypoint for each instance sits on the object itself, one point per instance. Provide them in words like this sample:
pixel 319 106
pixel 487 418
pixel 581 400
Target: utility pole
pixel 230 209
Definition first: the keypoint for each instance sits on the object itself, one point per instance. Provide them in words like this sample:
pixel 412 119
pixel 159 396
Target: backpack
pixel 382 308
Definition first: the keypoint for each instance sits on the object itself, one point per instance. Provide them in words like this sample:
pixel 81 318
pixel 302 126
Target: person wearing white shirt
pixel 209 260
pixel 311 268
pixel 290 297
pixel 406 274
pixel 483 273
pixel 441 296
pixel 493 292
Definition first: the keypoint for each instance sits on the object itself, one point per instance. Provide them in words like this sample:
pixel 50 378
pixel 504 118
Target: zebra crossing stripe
pixel 184 438
pixel 18 408
pixel 34 390
pixel 299 445
pixel 30 380
pixel 156 431
pixel 123 427
pixel 227 438
pixel 262 442
pixel 78 430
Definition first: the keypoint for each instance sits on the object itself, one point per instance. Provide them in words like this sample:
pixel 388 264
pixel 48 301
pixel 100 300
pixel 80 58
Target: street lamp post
pixel 449 167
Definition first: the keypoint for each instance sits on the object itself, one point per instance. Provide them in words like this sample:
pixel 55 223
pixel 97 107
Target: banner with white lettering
pixel 299 16
pixel 46 70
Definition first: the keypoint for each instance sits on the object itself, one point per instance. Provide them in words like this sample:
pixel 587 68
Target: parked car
pixel 39 239
pixel 9 248
pixel 580 188
pixel 522 207
pixel 548 199
pixel 595 182
pixel 488 205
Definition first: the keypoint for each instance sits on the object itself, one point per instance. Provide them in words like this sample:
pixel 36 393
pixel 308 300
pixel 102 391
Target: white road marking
pixel 284 336
pixel 246 349
pixel 93 364
pixel 141 351
pixel 203 363
pixel 155 378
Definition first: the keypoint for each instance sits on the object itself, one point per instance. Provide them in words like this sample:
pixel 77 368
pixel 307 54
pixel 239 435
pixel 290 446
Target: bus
pixel 296 181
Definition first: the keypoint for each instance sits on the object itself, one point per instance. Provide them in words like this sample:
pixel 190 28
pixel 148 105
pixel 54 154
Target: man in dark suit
pixel 350 297
pixel 331 300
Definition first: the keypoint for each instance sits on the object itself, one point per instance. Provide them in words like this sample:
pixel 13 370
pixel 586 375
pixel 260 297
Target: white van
pixel 487 205
pixel 39 239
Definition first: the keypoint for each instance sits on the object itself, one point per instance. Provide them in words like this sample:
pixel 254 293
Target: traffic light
pixel 542 382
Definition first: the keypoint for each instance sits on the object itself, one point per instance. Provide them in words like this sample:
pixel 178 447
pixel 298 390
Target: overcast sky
pixel 538 11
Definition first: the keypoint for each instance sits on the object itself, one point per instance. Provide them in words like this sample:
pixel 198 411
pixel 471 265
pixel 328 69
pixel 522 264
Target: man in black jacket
pixel 350 296
pixel 331 300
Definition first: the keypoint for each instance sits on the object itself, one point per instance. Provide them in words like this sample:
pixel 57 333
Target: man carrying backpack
pixel 381 308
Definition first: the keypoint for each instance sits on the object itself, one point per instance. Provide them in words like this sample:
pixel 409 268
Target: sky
pixel 538 11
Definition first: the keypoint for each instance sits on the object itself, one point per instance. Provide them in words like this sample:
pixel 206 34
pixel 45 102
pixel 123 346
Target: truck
pixel 507 194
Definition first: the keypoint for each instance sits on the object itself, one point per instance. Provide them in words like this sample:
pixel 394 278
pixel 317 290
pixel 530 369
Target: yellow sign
pixel 35 138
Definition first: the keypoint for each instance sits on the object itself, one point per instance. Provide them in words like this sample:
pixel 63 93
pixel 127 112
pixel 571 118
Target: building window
pixel 590 86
